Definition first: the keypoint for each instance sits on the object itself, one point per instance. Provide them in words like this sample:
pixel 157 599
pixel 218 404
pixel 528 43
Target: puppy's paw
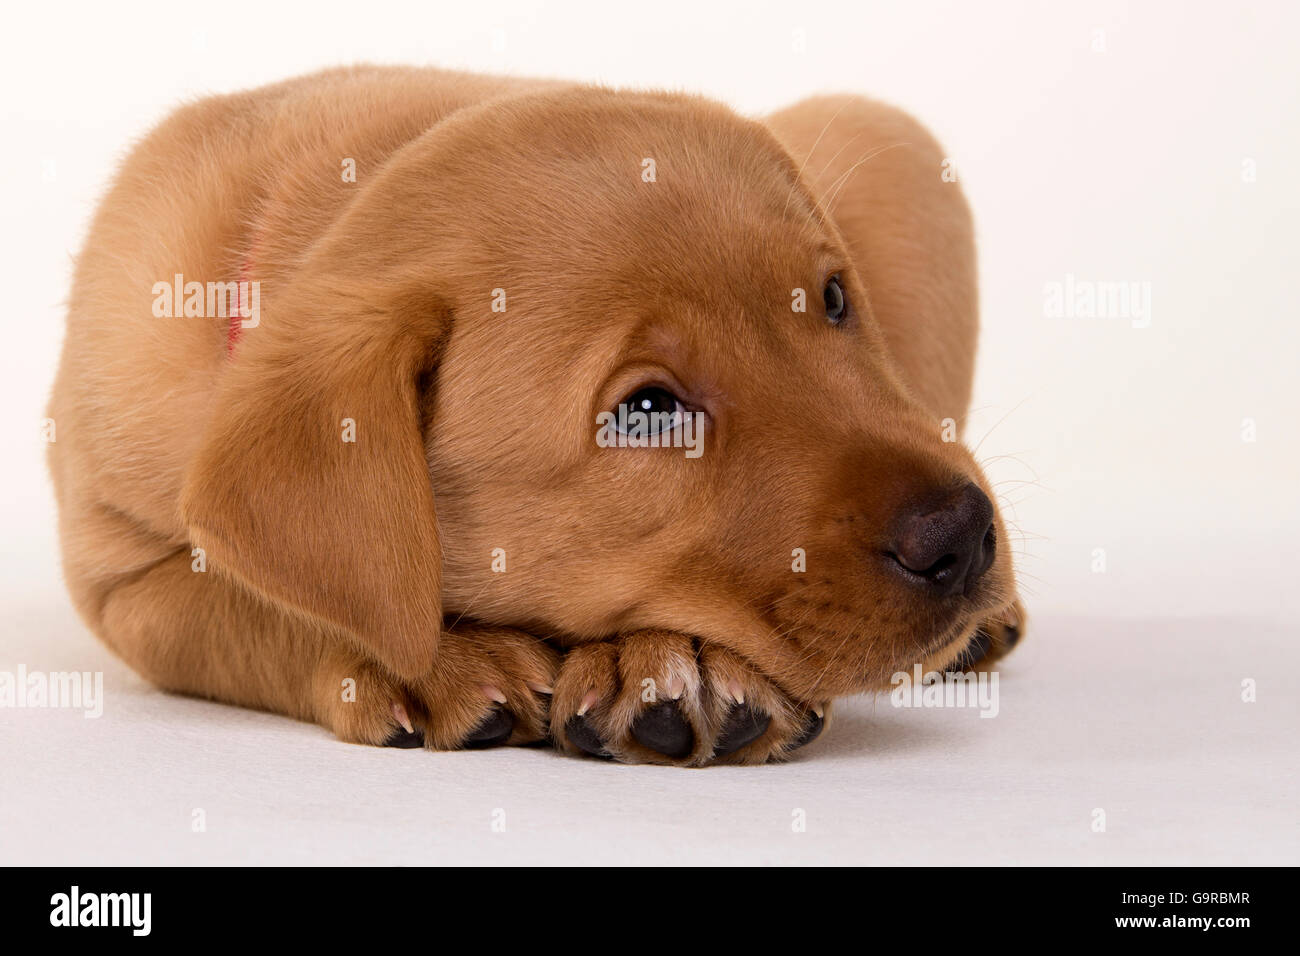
pixel 995 639
pixel 650 697
pixel 489 686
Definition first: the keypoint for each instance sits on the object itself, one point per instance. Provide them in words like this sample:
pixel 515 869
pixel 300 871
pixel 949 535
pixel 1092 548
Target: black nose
pixel 946 548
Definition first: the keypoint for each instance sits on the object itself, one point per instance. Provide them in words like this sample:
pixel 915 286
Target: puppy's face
pixel 661 255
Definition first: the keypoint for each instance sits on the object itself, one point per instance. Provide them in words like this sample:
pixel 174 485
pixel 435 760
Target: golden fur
pixel 372 561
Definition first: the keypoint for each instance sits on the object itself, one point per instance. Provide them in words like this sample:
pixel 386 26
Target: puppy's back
pixel 227 187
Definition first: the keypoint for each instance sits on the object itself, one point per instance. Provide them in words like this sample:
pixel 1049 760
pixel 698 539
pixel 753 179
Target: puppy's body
pixel 331 573
pixel 216 179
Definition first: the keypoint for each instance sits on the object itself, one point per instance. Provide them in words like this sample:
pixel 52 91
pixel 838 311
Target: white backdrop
pixel 1148 143
pixel 1107 141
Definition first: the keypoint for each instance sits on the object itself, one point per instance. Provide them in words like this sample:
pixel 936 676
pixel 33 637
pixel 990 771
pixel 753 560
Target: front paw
pixel 652 697
pixel 489 686
pixel 995 639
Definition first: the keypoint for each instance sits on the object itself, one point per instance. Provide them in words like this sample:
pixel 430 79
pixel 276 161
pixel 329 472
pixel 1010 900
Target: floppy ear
pixel 311 484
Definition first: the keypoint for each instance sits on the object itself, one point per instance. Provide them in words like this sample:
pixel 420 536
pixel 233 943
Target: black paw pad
pixel 743 726
pixel 583 736
pixel 494 729
pixel 811 731
pixel 1012 636
pixel 663 728
pixel 405 739
pixel 975 651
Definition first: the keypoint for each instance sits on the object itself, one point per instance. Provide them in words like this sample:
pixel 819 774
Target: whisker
pixel 976 449
pixel 843 178
pixel 816 143
pixel 471 603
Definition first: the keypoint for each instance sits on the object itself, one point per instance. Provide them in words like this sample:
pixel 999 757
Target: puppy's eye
pixel 660 410
pixel 836 304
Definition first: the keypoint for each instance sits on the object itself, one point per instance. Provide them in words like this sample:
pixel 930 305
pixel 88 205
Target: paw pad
pixel 743 726
pixel 405 739
pixel 811 731
pixel 583 736
pixel 495 729
pixel 664 729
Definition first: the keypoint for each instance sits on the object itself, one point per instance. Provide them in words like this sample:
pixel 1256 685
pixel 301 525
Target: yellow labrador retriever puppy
pixel 456 410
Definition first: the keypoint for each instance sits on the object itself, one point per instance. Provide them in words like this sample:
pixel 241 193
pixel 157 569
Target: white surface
pixel 1123 165
pixel 1140 719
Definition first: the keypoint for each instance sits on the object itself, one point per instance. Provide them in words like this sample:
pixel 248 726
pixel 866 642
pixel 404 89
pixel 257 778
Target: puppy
pixel 390 476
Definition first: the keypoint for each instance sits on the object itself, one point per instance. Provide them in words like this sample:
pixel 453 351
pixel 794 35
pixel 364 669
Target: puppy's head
pixel 497 304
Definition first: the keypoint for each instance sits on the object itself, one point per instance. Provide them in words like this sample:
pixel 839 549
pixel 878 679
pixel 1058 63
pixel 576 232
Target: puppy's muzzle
pixel 944 547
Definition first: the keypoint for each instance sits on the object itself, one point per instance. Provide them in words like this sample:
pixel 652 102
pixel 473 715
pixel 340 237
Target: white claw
pixel 819 711
pixel 399 713
pixel 736 691
pixel 588 702
pixel 493 694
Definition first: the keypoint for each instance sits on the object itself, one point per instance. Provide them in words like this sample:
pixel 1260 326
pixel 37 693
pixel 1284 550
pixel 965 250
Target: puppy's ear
pixel 311 484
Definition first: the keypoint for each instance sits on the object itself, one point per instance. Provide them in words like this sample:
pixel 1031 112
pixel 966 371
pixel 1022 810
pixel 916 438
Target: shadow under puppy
pixel 405 496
